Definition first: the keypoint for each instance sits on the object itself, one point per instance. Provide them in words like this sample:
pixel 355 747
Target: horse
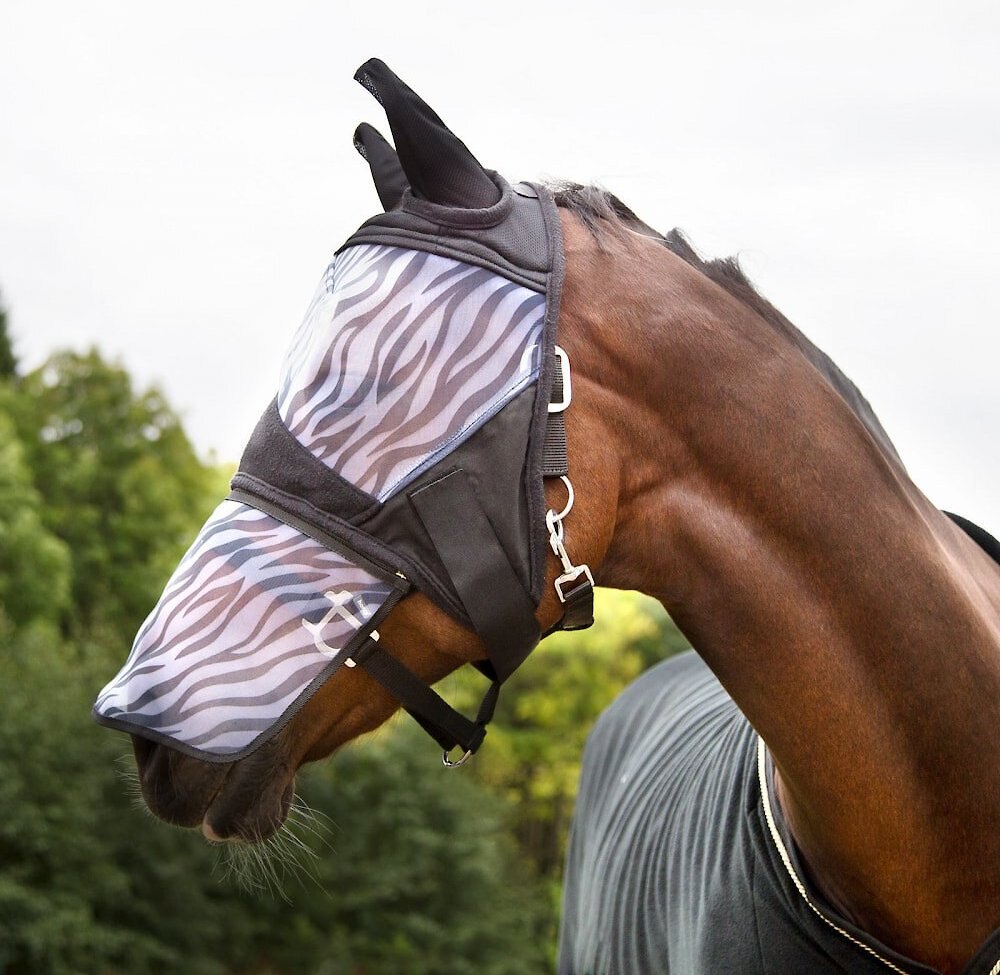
pixel 815 788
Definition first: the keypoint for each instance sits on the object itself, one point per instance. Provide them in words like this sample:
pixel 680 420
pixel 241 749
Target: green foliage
pixel 34 564
pixel 420 876
pixel 87 883
pixel 423 877
pixel 8 361
pixel 121 483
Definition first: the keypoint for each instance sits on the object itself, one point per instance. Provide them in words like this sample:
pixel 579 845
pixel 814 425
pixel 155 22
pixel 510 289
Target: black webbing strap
pixel 579 607
pixel 499 606
pixel 555 460
pixel 437 717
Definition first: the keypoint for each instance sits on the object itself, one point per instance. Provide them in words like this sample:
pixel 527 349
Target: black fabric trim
pixel 500 608
pixel 459 250
pixel 390 533
pixel 476 218
pixel 382 569
pixel 519 247
pixel 273 456
pixel 259 493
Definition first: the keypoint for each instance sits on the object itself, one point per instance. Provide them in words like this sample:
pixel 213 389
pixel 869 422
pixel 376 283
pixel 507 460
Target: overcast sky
pixel 174 177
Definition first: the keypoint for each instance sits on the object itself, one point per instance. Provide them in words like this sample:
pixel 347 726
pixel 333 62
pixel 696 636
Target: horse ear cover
pixel 387 173
pixel 437 164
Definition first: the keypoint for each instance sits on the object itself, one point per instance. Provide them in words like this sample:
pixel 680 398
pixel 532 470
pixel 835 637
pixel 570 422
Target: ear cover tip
pixel 372 64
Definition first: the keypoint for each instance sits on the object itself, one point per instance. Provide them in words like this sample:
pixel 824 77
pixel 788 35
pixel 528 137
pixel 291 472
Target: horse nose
pixel 176 788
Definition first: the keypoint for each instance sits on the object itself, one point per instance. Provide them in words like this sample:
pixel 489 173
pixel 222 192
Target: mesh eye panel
pixel 251 617
pixel 402 356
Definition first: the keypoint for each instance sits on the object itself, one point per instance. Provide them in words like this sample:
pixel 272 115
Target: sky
pixel 175 177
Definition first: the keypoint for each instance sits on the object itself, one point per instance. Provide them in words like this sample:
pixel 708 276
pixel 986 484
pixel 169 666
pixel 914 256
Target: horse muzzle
pixel 246 801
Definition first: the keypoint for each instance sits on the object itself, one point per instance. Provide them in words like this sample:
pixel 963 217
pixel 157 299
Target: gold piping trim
pixel 779 843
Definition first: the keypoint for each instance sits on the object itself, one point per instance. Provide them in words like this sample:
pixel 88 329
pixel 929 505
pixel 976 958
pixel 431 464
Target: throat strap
pixel 448 727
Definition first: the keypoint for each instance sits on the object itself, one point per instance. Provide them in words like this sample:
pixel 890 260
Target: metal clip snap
pixel 448 763
pixel 567 577
pixel 571 573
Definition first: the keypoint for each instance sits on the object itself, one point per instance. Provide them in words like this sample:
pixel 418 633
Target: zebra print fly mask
pixel 406 447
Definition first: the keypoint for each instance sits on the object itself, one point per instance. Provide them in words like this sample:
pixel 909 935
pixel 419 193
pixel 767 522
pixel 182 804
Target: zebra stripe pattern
pixel 251 617
pixel 402 356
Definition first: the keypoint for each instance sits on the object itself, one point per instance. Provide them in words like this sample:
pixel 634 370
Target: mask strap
pixel 575 585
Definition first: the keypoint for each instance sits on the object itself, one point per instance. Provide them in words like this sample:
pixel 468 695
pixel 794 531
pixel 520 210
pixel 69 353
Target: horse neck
pixel 857 629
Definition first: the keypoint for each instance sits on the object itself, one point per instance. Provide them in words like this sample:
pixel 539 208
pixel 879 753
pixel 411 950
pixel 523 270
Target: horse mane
pixel 601 211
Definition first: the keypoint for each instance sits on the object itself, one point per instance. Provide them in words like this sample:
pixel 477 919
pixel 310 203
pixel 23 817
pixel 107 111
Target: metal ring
pixel 569 503
pixel 448 763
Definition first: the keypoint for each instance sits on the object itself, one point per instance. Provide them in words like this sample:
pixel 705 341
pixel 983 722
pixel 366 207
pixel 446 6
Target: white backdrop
pixel 174 177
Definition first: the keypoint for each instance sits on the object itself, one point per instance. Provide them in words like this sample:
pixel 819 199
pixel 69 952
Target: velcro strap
pixel 499 606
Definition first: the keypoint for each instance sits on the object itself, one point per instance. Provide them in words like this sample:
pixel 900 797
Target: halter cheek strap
pixel 575 586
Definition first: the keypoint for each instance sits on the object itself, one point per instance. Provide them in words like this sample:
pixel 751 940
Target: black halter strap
pixel 448 727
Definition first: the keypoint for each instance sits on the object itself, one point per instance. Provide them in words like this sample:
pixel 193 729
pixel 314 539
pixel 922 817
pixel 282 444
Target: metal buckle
pixel 567 384
pixel 448 763
pixel 572 576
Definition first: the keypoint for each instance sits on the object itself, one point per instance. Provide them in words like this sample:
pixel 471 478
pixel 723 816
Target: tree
pixel 551 703
pixel 87 883
pixel 34 564
pixel 121 484
pixel 421 876
pixel 8 361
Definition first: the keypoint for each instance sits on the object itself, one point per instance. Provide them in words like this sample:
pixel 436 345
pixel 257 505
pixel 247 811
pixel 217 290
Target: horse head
pixel 403 507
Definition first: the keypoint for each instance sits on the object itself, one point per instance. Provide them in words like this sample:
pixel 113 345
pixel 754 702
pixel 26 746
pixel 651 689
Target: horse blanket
pixel 679 860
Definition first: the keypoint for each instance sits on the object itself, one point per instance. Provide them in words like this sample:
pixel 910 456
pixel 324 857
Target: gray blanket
pixel 677 858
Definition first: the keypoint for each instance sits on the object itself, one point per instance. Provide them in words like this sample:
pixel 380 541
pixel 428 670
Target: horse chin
pixel 246 801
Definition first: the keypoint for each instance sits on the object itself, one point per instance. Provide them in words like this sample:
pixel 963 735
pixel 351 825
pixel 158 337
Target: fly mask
pixel 419 409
